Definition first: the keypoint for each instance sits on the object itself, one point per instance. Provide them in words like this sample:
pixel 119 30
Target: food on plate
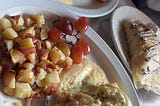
pixel 37 61
pixel 87 84
pixel 104 95
pixel 33 56
pixel 144 47
pixel 70 2
pixel 81 76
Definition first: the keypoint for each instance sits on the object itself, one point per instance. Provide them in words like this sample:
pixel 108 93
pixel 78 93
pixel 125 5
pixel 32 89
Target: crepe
pixel 86 84
pixel 143 41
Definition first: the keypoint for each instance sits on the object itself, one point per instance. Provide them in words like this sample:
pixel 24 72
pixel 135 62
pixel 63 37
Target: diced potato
pixel 47 45
pixel 44 32
pixel 56 55
pixel 51 79
pixel 18 104
pixel 28 66
pixel 64 48
pixel 8 79
pixel 39 20
pixel 17 56
pixel 17 22
pixel 29 21
pixel 67 63
pixel 9 91
pixel 41 74
pixel 10 33
pixel 23 90
pixel 25 75
pixel 32 58
pixel 26 43
pixel 28 30
pixel 9 44
pixel 5 23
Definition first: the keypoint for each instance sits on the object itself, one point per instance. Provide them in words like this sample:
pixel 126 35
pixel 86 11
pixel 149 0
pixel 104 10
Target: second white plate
pixel 118 35
pixel 91 8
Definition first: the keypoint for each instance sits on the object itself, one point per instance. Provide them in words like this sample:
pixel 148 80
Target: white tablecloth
pixel 101 26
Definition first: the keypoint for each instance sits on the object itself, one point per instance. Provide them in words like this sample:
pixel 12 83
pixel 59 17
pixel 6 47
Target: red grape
pixel 84 45
pixel 81 24
pixel 65 25
pixel 77 54
pixel 55 35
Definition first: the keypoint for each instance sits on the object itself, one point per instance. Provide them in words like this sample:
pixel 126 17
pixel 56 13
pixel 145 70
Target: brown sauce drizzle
pixel 146 34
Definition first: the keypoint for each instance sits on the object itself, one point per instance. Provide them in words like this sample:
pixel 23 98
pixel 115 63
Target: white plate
pixel 100 51
pixel 118 35
pixel 91 8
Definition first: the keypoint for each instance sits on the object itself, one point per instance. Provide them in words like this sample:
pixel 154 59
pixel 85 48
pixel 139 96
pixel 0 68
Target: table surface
pixel 99 25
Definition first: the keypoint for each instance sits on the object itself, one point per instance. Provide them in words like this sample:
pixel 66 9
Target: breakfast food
pixel 34 55
pixel 67 1
pixel 37 61
pixel 144 48
pixel 86 84
pixel 104 95
pixel 81 77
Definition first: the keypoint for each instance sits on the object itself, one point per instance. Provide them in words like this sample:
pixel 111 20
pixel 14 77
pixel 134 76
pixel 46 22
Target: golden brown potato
pixel 23 90
pixel 9 91
pixel 28 30
pixel 9 44
pixel 28 21
pixel 40 75
pixel 47 45
pixel 26 43
pixel 5 23
pixel 28 66
pixel 25 75
pixel 39 20
pixel 56 55
pixel 44 32
pixel 9 33
pixel 17 56
pixel 64 48
pixel 17 22
pixel 51 79
pixel 8 79
pixel 32 58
